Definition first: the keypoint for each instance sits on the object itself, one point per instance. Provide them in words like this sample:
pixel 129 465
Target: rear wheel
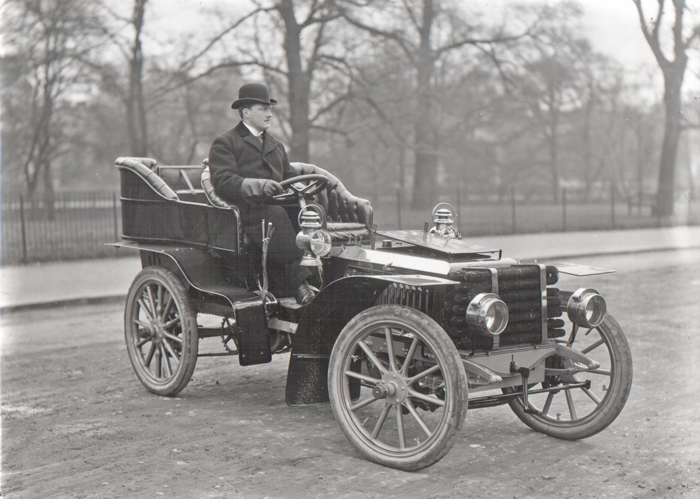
pixel 587 410
pixel 397 387
pixel 160 329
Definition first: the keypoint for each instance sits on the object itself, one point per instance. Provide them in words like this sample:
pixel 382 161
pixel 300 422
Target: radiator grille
pixel 520 287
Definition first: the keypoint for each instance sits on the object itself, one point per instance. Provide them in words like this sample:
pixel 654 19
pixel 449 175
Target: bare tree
pixel 425 31
pixel 48 44
pixel 130 92
pixel 300 70
pixel 673 71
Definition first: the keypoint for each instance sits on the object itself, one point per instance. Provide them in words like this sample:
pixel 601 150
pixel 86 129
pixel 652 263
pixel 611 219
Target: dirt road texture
pixel 76 423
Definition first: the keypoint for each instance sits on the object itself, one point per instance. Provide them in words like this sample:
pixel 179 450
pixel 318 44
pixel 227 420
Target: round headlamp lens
pixel 320 243
pixel 488 314
pixel 586 308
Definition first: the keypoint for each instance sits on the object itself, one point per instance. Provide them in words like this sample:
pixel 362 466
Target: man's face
pixel 259 116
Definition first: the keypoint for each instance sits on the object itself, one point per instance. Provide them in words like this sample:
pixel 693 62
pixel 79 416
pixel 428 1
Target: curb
pixel 121 298
pixel 72 302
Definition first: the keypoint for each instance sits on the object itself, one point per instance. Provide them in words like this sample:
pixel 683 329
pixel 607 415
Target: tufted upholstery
pixel 349 218
pixel 145 168
pixel 208 187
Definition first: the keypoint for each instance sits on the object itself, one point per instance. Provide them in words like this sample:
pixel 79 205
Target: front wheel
pixel 581 412
pixel 397 387
pixel 160 329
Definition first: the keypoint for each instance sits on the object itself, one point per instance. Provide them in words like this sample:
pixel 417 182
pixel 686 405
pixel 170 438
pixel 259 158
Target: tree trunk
pixel 299 85
pixel 137 130
pixel 673 79
pixel 425 179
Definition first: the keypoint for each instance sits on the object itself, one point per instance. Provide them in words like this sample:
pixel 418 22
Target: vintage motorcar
pixel 408 330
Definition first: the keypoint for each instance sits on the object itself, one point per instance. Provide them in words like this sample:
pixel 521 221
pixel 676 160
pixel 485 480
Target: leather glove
pixel 253 189
pixel 271 188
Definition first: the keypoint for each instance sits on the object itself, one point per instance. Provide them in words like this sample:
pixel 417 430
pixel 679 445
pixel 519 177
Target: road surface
pixel 77 423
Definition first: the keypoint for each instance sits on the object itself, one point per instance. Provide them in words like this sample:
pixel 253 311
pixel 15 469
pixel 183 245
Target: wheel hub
pixel 156 331
pixel 393 388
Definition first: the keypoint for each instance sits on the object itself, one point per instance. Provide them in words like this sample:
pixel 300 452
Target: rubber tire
pixel 188 319
pixel 456 394
pixel 613 402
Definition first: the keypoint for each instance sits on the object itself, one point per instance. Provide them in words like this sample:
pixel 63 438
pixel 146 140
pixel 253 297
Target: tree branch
pixel 652 38
pixel 478 41
pixel 390 35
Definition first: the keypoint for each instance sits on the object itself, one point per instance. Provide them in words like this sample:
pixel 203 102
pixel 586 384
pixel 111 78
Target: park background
pixel 527 116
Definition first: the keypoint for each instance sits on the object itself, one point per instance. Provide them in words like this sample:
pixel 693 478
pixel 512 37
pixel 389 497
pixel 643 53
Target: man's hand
pixel 271 188
pixel 256 190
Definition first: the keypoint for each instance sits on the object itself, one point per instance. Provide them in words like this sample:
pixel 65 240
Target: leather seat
pixel 348 218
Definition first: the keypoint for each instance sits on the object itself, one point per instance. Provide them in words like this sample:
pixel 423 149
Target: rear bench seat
pixel 185 181
pixel 181 182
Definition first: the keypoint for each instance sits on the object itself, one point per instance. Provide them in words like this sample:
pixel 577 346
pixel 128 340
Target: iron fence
pixel 75 225
pixel 484 212
pixel 81 225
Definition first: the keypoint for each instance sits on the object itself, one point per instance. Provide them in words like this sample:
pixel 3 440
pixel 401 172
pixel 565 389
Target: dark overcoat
pixel 237 155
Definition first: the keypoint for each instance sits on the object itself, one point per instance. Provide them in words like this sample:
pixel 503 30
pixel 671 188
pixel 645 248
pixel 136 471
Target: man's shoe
pixel 304 294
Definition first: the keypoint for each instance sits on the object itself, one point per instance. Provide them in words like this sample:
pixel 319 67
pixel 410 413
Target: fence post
pixel 563 209
pixel 114 215
pixel 512 210
pixel 612 205
pixel 24 228
pixel 398 207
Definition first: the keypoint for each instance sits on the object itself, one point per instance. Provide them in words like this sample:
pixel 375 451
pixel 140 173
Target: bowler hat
pixel 253 93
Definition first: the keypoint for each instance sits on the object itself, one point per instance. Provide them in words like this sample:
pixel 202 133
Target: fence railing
pixel 81 225
pixel 485 212
pixel 75 225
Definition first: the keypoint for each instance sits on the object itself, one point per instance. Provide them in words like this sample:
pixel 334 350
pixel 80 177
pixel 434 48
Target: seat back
pixel 184 180
pixel 208 188
pixel 343 210
pixel 145 168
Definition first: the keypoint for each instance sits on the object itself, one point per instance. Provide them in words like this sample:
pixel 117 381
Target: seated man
pixel 246 165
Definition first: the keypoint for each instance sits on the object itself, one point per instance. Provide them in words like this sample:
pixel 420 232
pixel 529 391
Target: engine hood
pixel 408 250
pixel 421 243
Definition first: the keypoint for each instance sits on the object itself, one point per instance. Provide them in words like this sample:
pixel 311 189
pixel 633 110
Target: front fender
pixel 322 322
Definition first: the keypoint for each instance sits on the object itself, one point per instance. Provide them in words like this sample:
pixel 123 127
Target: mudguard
pixel 321 323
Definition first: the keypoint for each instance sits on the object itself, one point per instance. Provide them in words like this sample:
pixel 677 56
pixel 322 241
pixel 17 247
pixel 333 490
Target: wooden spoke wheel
pixel 397 387
pixel 160 328
pixel 586 410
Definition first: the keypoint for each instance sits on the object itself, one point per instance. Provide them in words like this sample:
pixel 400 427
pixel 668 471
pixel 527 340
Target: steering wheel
pixel 309 185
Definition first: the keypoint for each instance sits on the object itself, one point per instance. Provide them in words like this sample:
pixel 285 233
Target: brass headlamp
pixel 444 220
pixel 488 314
pixel 586 308
pixel 315 241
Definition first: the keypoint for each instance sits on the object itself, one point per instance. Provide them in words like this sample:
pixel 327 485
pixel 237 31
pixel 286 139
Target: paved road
pixel 76 422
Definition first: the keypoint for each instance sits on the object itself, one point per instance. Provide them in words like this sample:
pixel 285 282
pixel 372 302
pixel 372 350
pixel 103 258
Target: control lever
pixel 268 299
pixel 524 374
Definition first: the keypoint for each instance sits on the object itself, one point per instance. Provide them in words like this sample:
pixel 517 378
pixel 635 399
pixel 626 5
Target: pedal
pixel 289 303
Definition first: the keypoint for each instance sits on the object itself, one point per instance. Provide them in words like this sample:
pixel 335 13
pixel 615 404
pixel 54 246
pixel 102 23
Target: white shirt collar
pixel 253 130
